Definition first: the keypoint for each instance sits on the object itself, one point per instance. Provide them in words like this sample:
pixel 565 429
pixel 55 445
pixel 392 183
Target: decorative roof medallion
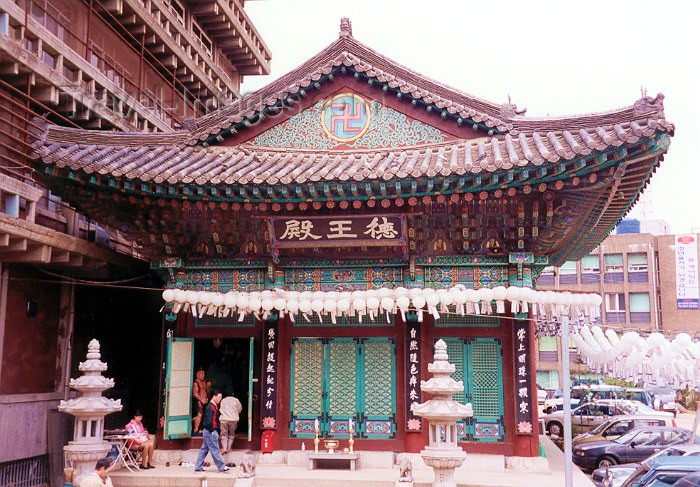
pixel 384 127
pixel 345 117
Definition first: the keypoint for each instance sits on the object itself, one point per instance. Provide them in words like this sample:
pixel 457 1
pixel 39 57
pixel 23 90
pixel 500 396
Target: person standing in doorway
pixel 230 410
pixel 200 398
pixel 212 427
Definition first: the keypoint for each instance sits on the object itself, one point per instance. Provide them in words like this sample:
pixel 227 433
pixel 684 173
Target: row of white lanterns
pixel 641 359
pixel 383 301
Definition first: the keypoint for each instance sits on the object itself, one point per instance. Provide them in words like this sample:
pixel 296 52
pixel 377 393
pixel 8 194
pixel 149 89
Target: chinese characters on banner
pixel 687 293
pixel 523 375
pixel 337 231
pixel 269 385
pixel 413 355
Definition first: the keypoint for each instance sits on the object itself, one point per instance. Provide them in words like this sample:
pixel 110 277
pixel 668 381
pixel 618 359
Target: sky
pixel 553 57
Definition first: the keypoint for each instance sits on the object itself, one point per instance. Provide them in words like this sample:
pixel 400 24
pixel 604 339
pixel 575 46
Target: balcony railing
pixel 59 26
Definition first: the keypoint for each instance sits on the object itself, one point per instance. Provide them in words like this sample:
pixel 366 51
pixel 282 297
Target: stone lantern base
pixel 444 462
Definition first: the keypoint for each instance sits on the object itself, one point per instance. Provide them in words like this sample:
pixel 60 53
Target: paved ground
pixel 275 475
pixel 685 420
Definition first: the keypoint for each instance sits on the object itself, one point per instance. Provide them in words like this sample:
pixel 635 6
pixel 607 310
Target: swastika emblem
pixel 345 117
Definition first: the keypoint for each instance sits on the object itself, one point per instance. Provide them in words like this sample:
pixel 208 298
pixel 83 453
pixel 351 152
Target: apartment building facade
pixel 638 277
pixel 118 65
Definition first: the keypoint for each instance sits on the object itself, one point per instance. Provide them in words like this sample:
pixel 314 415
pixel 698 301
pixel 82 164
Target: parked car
pixel 597 392
pixel 634 446
pixel 690 480
pixel 637 394
pixel 617 474
pixel 557 401
pixel 664 398
pixel 586 417
pixel 617 426
pixel 644 409
pixel 613 476
pixel 541 395
pixel 663 471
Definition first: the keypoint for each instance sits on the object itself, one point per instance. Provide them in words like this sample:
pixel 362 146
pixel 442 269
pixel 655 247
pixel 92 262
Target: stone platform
pixel 374 469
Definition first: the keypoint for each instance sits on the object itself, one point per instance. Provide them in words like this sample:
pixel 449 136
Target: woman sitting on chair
pixel 140 440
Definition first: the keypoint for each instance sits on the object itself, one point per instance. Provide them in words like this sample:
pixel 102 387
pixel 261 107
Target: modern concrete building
pixel 642 286
pixel 117 65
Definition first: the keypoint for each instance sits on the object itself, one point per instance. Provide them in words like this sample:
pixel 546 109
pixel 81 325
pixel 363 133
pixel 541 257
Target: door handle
pixel 254 380
pixel 657 450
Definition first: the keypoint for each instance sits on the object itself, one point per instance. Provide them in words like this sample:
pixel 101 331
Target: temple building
pixel 353 172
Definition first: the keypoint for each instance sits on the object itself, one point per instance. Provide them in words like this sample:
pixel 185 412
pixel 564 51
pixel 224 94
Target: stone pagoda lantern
pixel 89 409
pixel 442 413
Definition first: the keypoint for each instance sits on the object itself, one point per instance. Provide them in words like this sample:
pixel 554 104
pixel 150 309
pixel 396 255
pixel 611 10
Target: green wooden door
pixel 378 388
pixel 178 388
pixel 251 381
pixel 334 379
pixel 340 388
pixel 306 392
pixel 478 363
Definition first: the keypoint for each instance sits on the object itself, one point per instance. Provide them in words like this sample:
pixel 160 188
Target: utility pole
pixel 566 392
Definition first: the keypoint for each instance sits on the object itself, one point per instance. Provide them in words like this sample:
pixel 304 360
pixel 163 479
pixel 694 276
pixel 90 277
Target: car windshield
pixel 627 437
pixel 662 390
pixel 601 427
pixel 640 408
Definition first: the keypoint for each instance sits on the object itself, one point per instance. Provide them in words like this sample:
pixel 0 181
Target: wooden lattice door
pixel 478 363
pixel 335 379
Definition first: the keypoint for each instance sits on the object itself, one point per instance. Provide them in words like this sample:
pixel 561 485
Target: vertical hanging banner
pixel 687 293
pixel 413 374
pixel 523 376
pixel 269 385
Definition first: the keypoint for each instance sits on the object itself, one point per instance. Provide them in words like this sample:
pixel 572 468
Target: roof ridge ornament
pixel 345 27
pixel 648 104
pixel 510 109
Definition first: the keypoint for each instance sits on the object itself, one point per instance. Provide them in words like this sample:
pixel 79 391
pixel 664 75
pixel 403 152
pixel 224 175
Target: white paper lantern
pixel 169 295
pixel 255 303
pixel 359 305
pixel 242 301
pixel 230 299
pixel 400 291
pixel 343 305
pixel 459 297
pixel 683 340
pixel 292 308
pixel 204 298
pixel 432 300
pixel 500 293
pixel 280 304
pixel 305 306
pixel 446 299
pixel 372 306
pixel 217 299
pixel 655 340
pixel 485 294
pixel 418 301
pixel 317 305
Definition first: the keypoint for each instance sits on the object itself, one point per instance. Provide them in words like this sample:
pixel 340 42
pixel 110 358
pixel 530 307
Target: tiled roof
pixel 177 156
pixel 159 159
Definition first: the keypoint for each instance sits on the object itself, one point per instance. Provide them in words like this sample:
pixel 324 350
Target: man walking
pixel 210 442
pixel 230 410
